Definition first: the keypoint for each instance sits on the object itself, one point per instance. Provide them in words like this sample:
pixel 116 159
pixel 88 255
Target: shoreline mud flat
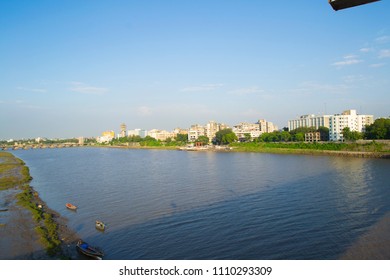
pixel 373 245
pixel 19 238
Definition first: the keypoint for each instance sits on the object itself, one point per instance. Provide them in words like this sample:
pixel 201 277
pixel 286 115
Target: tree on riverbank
pixel 225 137
pixel 351 135
pixel 380 129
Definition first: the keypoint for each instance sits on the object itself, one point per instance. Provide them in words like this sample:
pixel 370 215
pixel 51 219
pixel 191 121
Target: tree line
pixel 380 129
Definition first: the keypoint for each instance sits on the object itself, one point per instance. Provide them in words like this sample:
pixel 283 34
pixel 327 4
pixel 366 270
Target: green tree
pixel 247 137
pixel 299 137
pixel 380 129
pixel 203 139
pixel 182 138
pixel 285 136
pixel 225 137
pixel 351 135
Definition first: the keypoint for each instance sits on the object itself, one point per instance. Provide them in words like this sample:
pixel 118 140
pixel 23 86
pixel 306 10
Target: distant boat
pixel 100 225
pixel 71 206
pixel 88 250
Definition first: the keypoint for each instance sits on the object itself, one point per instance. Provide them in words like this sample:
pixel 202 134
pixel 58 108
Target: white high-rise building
pixel 349 119
pixel 309 121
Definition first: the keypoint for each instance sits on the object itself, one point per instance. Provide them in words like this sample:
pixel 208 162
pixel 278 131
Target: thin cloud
pixel 208 87
pixel 87 89
pixel 144 111
pixel 377 65
pixel 382 39
pixel 384 53
pixel 348 60
pixel 41 90
pixel 366 50
pixel 247 91
pixel 310 88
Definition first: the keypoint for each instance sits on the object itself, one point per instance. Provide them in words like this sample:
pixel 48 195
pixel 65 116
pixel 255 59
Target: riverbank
pixel 340 149
pixel 29 229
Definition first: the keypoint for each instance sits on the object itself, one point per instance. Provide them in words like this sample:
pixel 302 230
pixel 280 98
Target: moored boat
pixel 100 225
pixel 88 250
pixel 71 206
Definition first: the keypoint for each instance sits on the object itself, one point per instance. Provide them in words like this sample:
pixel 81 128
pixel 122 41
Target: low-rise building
pixel 161 135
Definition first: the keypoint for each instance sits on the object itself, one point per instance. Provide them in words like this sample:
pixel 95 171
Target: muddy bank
pixel 373 245
pixel 18 235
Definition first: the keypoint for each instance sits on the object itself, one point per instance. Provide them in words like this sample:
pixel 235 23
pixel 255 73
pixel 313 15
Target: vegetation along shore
pixel 44 233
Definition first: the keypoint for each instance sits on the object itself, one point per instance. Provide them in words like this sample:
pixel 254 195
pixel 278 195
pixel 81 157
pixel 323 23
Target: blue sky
pixel 77 68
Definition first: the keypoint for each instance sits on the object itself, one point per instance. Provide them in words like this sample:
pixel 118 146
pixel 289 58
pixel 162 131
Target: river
pixel 160 204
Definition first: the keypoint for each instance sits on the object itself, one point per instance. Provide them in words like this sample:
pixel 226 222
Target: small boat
pixel 88 250
pixel 71 206
pixel 100 225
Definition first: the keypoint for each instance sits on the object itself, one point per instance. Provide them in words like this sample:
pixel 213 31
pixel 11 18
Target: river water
pixel 160 204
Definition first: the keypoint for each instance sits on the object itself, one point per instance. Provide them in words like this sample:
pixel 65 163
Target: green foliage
pixel 225 137
pixel 351 135
pixel 13 171
pixel 299 147
pixel 182 138
pixel 203 139
pixel 380 129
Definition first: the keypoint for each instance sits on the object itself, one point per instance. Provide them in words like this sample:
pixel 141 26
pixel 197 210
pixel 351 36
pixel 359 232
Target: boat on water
pixel 86 249
pixel 71 206
pixel 100 225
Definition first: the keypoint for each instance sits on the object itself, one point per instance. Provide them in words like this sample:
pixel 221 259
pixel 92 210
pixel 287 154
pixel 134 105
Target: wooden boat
pixel 88 250
pixel 70 206
pixel 100 225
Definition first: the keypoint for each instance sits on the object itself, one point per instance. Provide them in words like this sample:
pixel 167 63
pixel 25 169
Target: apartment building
pixel 137 132
pixel 266 127
pixel 195 131
pixel 253 129
pixel 348 118
pixel 309 121
pixel 209 130
pixel 244 128
pixel 161 135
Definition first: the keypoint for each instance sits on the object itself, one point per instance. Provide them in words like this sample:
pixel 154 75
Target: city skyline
pixel 78 68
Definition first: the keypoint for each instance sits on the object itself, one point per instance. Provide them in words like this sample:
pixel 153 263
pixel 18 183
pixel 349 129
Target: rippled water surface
pixel 203 205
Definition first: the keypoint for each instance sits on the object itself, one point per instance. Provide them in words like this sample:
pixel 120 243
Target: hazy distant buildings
pixel 254 130
pixel 266 127
pixel 107 136
pixel 137 132
pixel 209 130
pixel 123 131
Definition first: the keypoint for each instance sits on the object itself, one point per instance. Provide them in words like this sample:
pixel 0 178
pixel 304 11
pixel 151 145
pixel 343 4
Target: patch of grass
pixel 13 171
pixel 15 174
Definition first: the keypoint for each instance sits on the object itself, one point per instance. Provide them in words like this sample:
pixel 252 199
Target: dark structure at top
pixel 343 4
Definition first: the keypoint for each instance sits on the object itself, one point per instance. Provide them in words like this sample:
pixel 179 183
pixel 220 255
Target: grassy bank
pixel 13 171
pixel 15 174
pixel 372 149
